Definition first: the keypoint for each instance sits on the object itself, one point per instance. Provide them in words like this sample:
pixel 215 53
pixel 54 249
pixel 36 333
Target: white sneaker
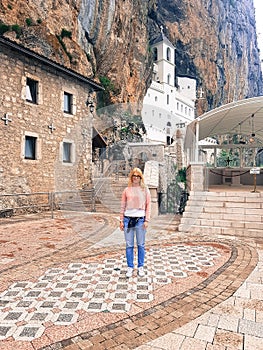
pixel 129 272
pixel 141 272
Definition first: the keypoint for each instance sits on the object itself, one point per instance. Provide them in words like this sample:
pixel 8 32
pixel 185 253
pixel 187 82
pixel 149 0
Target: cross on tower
pixel 6 119
pixel 201 93
pixel 84 133
pixel 52 127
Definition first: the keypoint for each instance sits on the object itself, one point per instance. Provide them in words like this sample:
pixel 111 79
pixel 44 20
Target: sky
pixel 259 24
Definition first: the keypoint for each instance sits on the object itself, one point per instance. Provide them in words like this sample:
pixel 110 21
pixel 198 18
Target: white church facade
pixel 169 103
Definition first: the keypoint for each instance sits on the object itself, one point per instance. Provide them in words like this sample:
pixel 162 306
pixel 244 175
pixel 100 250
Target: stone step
pixel 231 214
pixel 230 231
pixel 235 201
pixel 109 198
pixel 227 213
pixel 76 206
pixel 223 223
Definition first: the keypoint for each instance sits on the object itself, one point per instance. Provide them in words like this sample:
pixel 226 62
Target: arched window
pixel 168 54
pixel 155 54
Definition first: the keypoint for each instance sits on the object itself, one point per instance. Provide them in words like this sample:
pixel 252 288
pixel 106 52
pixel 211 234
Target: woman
pixel 134 218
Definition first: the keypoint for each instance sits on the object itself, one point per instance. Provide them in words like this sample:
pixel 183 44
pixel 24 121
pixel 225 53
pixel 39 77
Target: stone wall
pixel 195 177
pixel 20 119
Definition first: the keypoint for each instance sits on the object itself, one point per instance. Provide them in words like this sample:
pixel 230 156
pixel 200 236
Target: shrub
pixel 65 34
pixel 29 22
pixel 4 28
pixel 17 29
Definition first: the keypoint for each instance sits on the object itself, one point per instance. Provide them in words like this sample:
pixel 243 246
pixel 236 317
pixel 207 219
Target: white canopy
pixel 243 117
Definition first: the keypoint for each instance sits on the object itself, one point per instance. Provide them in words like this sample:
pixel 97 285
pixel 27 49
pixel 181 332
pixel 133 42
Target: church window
pixel 68 103
pixel 67 152
pixel 155 54
pixel 156 98
pixel 168 79
pixel 30 147
pixel 168 99
pixel 31 90
pixel 168 54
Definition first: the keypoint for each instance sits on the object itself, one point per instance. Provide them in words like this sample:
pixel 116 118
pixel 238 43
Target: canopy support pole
pixel 197 140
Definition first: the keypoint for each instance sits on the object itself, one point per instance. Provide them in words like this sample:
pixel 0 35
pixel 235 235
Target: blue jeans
pixel 129 233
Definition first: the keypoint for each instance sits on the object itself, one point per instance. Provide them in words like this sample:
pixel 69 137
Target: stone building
pixel 45 123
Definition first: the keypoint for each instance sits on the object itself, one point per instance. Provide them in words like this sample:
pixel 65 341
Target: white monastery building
pixel 169 103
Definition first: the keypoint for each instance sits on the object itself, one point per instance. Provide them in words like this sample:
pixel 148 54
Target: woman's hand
pixel 145 224
pixel 121 225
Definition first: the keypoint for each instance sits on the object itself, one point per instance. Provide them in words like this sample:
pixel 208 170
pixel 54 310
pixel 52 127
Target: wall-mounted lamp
pixel 253 134
pixel 89 102
pixel 252 126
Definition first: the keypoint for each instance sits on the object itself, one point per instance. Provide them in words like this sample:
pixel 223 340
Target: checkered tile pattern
pixel 60 294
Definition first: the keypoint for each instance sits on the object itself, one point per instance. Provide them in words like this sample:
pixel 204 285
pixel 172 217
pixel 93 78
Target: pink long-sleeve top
pixel 136 198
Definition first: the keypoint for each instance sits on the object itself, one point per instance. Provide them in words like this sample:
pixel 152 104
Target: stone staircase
pixel 108 198
pixel 80 200
pixel 224 213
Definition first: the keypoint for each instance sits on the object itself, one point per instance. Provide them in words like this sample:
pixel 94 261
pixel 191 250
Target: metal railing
pixel 28 203
pixel 115 169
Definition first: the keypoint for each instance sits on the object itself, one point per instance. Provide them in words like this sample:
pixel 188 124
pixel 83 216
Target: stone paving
pixel 65 287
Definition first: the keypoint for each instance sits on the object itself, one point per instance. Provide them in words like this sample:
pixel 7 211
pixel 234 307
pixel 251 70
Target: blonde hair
pixel 139 172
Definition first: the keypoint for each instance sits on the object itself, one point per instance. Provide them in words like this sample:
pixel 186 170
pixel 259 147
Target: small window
pixel 168 54
pixel 31 90
pixel 68 101
pixel 153 112
pixel 168 79
pixel 30 147
pixel 156 98
pixel 168 99
pixel 67 152
pixel 155 54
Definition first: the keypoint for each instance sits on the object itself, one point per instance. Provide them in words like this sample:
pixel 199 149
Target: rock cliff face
pixel 215 42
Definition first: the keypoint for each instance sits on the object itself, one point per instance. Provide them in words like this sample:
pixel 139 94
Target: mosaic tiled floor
pixel 60 295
